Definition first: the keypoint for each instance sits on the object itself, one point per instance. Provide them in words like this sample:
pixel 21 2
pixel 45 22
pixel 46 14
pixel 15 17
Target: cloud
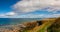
pixel 30 16
pixel 53 9
pixel 8 14
pixel 39 16
pixel 26 6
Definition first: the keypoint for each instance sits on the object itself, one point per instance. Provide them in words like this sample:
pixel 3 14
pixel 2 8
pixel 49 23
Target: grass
pixel 43 27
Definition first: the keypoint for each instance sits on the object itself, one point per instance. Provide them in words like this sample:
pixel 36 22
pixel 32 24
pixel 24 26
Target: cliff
pixel 45 25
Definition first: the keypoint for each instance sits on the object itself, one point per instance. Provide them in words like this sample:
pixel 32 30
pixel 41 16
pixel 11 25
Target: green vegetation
pixel 51 25
pixel 43 27
pixel 47 25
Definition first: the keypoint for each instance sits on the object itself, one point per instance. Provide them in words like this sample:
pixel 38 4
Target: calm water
pixel 10 21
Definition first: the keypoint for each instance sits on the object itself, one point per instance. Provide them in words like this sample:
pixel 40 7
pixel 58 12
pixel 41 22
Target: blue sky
pixel 29 8
pixel 5 5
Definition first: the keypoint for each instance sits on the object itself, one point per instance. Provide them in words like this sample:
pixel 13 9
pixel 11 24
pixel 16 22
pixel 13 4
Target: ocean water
pixel 13 21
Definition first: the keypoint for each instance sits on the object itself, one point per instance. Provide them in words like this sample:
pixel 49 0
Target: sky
pixel 29 8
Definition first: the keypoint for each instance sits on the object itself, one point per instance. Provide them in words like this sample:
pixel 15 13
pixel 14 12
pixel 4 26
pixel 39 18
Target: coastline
pixel 33 26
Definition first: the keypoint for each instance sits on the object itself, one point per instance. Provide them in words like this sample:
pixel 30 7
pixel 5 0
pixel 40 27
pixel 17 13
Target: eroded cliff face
pixel 52 24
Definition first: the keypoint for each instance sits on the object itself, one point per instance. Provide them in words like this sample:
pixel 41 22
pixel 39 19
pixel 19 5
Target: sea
pixel 14 21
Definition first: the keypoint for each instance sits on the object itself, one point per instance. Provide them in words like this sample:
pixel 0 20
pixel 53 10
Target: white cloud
pixel 9 14
pixel 25 6
pixel 30 16
pixel 2 15
pixel 39 16
pixel 53 9
pixel 56 15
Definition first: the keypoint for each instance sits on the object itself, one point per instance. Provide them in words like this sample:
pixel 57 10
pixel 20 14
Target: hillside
pixel 45 25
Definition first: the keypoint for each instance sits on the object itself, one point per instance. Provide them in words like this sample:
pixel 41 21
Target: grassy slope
pixel 43 27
